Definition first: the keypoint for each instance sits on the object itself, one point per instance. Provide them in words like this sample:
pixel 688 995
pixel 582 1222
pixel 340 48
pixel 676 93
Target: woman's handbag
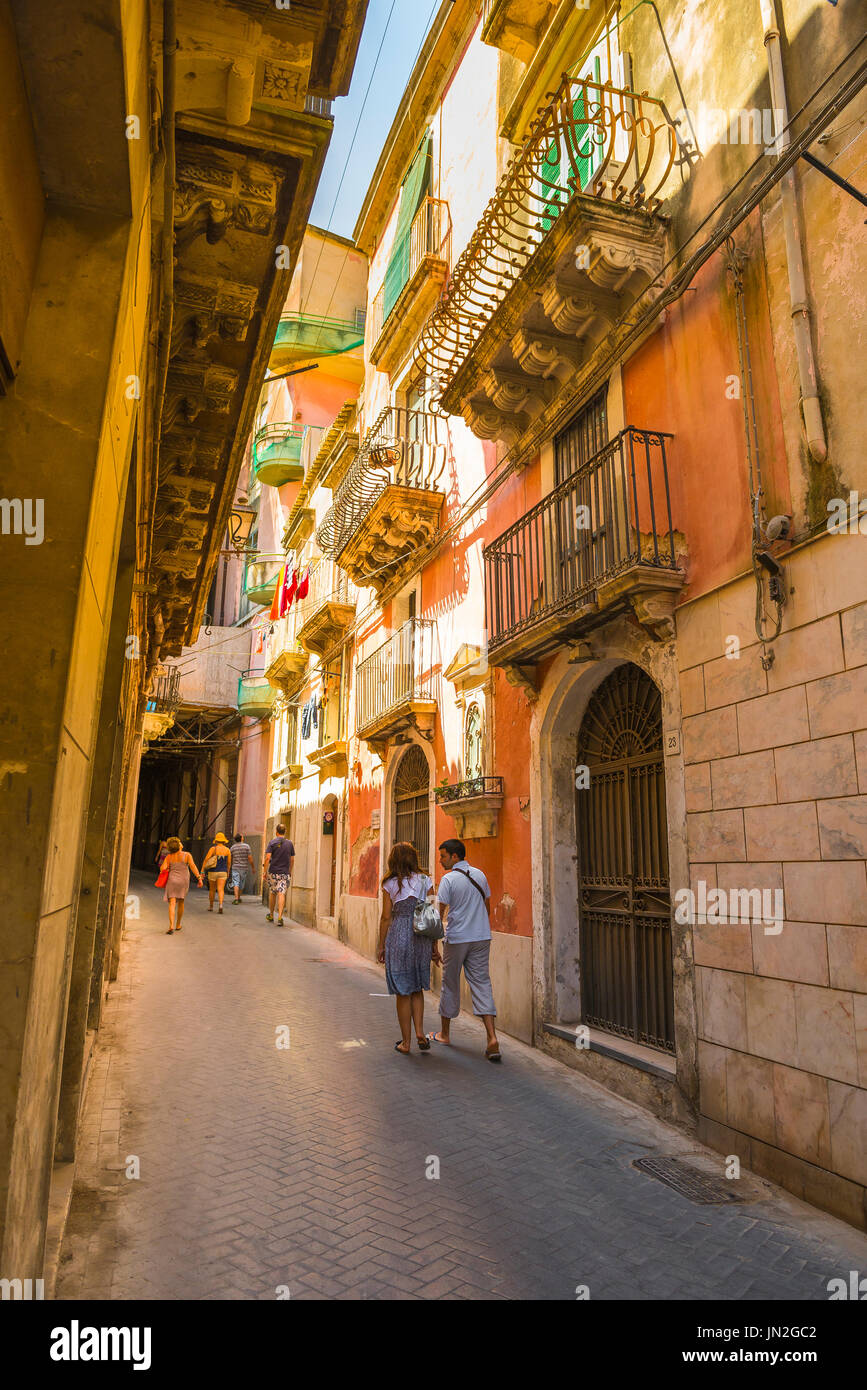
pixel 163 875
pixel 426 921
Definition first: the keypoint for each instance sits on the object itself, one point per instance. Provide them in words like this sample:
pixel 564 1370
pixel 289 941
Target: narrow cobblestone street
pixel 305 1167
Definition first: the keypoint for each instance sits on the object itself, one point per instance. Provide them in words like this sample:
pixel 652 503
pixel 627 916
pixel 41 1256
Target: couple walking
pixel 225 864
pixel 463 899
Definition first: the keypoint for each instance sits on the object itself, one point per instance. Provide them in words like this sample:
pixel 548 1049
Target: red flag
pixel 305 584
pixel 288 592
pixel 278 592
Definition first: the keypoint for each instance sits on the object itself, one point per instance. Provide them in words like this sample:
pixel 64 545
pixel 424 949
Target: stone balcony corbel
pixel 546 354
pixel 516 393
pixel 618 264
pixel 487 422
pixel 579 313
pixel 651 594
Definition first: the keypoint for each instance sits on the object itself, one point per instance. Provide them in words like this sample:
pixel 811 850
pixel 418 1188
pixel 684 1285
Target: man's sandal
pixel 494 1056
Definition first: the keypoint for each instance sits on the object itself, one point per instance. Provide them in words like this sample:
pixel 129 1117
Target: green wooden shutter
pixel 549 172
pixel 415 187
pixel 585 140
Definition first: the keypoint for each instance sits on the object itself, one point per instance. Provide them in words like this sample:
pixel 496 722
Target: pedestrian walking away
pixel 464 899
pixel 216 861
pixel 161 854
pixel 279 859
pixel 407 956
pixel 242 860
pixel 181 865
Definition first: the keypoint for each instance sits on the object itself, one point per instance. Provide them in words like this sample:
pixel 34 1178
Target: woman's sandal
pixel 398 1047
pixel 423 1044
pixel 170 931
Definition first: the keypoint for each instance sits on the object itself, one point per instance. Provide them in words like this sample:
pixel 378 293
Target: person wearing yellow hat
pixel 216 862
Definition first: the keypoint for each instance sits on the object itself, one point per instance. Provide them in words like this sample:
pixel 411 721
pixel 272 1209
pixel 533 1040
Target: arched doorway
pixel 412 803
pixel 624 893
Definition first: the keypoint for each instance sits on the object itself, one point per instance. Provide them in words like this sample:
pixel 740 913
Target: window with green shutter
pixel 415 188
pixel 580 152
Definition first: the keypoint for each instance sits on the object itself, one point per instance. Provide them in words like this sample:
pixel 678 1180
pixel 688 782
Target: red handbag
pixel 163 875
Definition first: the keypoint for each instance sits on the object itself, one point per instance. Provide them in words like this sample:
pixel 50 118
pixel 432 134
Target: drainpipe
pixel 810 405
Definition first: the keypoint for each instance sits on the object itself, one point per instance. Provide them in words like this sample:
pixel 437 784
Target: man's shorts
pixel 278 883
pixel 236 878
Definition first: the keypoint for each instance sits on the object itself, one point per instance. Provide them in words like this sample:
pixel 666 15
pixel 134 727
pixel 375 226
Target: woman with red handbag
pixel 176 867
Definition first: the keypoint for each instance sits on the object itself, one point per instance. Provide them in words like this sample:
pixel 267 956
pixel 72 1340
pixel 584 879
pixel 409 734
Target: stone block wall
pixel 776 795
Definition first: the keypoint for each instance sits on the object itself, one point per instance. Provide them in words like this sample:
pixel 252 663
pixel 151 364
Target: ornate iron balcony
pixel 603 535
pixel 613 146
pixel 389 502
pixel 395 680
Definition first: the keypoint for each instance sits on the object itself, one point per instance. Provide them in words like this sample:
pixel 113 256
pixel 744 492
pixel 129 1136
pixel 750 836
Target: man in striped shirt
pixel 242 860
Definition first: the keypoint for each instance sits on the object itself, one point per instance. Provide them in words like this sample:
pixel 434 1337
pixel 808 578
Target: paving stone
pixel 306 1167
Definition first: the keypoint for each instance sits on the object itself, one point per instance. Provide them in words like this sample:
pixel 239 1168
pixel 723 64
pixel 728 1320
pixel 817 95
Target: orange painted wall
pixel 678 382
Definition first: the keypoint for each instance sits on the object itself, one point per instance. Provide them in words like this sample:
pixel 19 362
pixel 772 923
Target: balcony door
pixel 412 803
pixel 581 514
pixel 624 897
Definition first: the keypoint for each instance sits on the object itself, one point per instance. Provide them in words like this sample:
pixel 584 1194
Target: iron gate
pixel 623 884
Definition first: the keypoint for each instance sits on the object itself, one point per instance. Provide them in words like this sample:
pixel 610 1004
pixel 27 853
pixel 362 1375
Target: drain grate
pixel 705 1189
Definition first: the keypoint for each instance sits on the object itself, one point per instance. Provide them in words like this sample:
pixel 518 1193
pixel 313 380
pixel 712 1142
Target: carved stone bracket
pixel 618 261
pixel 210 308
pixel 580 313
pixel 215 191
pixel 197 386
pixel 545 354
pixel 516 393
pixel 651 594
pixel 524 677
pixel 487 422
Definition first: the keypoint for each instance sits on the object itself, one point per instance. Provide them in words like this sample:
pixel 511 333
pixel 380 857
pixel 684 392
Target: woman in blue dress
pixel 406 955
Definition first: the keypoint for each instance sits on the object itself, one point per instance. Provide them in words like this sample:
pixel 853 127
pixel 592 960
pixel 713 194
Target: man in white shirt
pixel 465 893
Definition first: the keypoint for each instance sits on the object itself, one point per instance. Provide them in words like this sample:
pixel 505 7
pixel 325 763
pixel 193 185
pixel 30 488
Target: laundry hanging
pixel 290 591
pixel 276 601
pixel 304 585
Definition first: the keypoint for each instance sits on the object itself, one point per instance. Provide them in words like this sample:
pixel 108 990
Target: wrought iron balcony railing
pixel 471 786
pixel 612 514
pixel 430 235
pixel 327 584
pixel 397 674
pixel 164 695
pixel 403 448
pixel 591 138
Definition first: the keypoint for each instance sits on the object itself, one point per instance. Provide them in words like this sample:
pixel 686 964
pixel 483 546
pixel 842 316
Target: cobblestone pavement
pixel 305 1167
